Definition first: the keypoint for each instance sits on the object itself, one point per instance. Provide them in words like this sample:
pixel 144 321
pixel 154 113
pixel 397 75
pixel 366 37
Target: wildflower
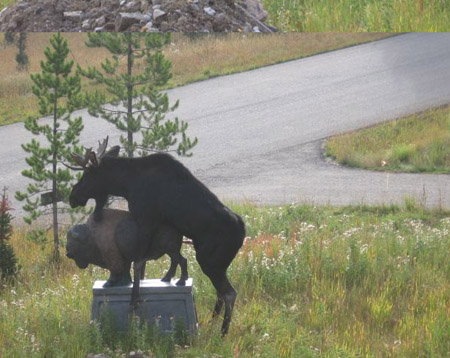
pixel 351 232
pixel 363 248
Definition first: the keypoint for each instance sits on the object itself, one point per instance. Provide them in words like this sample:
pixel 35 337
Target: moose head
pixel 92 182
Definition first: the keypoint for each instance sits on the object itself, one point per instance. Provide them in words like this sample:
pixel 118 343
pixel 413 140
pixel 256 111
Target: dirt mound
pixel 135 15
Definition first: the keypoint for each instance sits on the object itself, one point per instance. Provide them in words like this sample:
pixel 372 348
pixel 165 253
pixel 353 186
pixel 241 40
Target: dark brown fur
pixel 162 191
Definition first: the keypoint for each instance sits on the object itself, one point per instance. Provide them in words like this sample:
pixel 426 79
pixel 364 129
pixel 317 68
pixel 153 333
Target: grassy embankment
pixel 312 282
pixel 353 15
pixel 417 143
pixel 192 60
pixel 359 15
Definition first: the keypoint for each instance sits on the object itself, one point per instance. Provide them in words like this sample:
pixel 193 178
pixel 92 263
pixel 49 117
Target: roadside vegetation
pixel 5 3
pixel 312 281
pixel 359 15
pixel 417 143
pixel 353 15
pixel 193 58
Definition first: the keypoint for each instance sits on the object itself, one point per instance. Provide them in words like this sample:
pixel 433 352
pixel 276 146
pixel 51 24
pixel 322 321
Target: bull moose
pixel 162 191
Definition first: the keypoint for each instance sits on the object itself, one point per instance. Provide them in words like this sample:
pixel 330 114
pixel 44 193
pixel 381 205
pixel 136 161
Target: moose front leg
pixel 100 203
pixel 138 265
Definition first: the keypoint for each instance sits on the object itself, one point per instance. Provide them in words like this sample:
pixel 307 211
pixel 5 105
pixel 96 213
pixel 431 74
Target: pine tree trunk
pixel 54 191
pixel 55 219
pixel 130 97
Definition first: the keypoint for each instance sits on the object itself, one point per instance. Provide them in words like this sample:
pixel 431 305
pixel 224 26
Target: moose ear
pixel 113 152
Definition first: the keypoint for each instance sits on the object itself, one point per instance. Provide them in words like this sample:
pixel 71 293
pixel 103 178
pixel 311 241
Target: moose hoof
pixel 166 279
pixel 181 282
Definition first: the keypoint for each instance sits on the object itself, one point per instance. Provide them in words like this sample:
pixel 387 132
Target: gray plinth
pixel 161 303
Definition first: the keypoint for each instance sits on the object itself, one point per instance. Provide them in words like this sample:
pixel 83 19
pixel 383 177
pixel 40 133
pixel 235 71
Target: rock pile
pixel 135 15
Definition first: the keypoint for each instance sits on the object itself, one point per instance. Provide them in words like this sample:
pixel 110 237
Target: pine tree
pixel 145 106
pixel 58 93
pixel 5 218
pixel 8 260
pixel 9 38
pixel 22 58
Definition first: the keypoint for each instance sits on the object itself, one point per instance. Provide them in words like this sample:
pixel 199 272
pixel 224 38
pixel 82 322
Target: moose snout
pixel 75 199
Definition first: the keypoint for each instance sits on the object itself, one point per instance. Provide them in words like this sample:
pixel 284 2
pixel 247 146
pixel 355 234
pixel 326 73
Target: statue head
pixel 80 246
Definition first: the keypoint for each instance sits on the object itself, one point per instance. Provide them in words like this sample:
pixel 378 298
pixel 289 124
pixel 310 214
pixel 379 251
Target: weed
pixel 361 15
pixel 312 282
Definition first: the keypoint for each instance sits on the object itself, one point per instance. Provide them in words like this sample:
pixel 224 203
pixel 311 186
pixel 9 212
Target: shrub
pixel 8 260
pixel 8 263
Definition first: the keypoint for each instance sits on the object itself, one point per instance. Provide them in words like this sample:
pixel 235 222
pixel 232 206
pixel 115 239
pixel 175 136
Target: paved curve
pixel 261 131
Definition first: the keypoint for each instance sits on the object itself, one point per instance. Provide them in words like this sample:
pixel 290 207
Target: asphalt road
pixel 260 132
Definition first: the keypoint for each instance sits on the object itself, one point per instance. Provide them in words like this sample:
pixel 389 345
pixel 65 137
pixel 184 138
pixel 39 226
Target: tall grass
pixel 353 15
pixel 418 143
pixel 312 282
pixel 192 60
pixel 359 15
pixel 5 3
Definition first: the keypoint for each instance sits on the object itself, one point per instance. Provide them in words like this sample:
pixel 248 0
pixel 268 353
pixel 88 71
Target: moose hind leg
pixel 143 270
pixel 218 307
pixel 172 269
pixel 229 299
pixel 226 294
pixel 184 272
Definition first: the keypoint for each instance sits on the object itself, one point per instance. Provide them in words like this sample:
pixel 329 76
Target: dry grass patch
pixel 224 54
pixel 206 56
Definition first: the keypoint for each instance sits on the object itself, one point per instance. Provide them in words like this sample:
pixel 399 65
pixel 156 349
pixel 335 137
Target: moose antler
pixel 102 148
pixel 96 158
pixel 78 159
pixel 89 156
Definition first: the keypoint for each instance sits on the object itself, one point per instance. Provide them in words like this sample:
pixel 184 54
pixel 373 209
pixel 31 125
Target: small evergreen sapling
pixel 59 93
pixel 22 58
pixel 8 260
pixel 138 105
pixel 9 38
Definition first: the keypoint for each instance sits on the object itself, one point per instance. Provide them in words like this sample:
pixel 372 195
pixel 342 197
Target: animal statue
pixel 113 244
pixel 162 191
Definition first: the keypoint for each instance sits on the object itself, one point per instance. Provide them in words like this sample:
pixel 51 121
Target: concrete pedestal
pixel 160 303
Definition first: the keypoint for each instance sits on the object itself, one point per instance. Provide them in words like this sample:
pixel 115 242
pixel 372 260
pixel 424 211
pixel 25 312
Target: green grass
pixel 5 3
pixel 353 15
pixel 312 282
pixel 359 15
pixel 417 143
